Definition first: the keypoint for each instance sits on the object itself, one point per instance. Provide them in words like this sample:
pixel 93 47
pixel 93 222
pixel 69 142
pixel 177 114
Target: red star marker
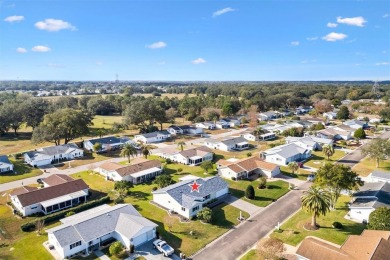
pixel 194 186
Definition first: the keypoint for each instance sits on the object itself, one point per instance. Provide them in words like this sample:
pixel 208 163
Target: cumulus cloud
pixel 40 48
pixel 332 37
pixel 157 45
pixel 382 63
pixel 355 21
pixel 312 38
pixel 295 43
pixel 54 25
pixel 14 18
pixel 21 50
pixel 198 61
pixel 223 11
pixel 331 25
pixel 386 15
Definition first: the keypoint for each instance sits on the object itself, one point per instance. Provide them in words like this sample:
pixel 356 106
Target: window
pixel 78 243
pixel 183 209
pixel 207 197
pixel 195 208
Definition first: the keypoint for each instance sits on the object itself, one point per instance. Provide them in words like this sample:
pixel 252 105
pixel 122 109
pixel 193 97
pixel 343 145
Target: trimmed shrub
pixel 250 192
pixel 249 154
pixel 154 188
pixel 116 248
pixel 263 183
pixel 337 225
pixel 234 179
pixel 168 161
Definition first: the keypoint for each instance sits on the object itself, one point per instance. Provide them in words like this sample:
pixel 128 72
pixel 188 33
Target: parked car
pixel 40 181
pixel 311 177
pixel 163 247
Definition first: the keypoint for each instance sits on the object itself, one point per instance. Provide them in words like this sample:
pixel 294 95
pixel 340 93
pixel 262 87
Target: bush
pixel 250 192
pixel 168 161
pixel 248 154
pixel 115 248
pixel 119 200
pixel 70 213
pixel 234 179
pixel 337 225
pixel 154 188
pixel 263 183
pixel 205 214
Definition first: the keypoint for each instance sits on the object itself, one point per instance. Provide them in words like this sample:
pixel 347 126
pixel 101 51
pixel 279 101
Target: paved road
pixel 354 157
pixel 239 240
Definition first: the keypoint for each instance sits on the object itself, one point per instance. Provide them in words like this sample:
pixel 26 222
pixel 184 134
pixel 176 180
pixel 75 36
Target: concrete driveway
pixel 146 250
pixel 242 205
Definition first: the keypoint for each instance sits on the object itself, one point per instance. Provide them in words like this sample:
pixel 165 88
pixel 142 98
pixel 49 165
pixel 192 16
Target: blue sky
pixel 195 40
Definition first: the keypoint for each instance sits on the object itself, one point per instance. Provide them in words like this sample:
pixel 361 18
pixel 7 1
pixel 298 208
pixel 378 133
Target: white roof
pixel 145 172
pixel 64 198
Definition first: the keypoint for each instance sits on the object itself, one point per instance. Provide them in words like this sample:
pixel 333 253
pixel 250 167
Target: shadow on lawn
pixel 169 237
pixel 95 194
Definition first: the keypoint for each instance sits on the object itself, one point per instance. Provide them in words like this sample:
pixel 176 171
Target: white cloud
pixel 54 25
pixel 99 63
pixel 331 25
pixel 382 63
pixel 386 15
pixel 14 18
pixel 355 21
pixel 40 48
pixel 312 38
pixel 332 37
pixel 157 45
pixel 223 11
pixel 198 61
pixel 21 50
pixel 295 43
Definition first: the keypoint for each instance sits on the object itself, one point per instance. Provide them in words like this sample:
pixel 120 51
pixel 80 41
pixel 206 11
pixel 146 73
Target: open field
pixel 88 158
pixel 22 171
pixel 367 166
pixel 293 231
pixel 318 158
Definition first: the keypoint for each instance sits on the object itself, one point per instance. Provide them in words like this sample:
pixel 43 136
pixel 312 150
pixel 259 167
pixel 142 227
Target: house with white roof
pixel 87 231
pixel 221 125
pixel 379 176
pixel 5 164
pixel 248 135
pixel 269 115
pixel 246 167
pixel 53 154
pixel 155 137
pixel 185 129
pixel 356 124
pixel 206 125
pixel 343 132
pixel 330 115
pixel 232 121
pixel 309 142
pixel 181 198
pixel 109 143
pixel 371 195
pixel 192 156
pixel 61 195
pixel 135 173
pixel 228 144
pixel 284 154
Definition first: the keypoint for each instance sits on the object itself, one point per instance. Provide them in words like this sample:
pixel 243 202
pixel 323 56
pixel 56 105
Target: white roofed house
pixel 5 164
pixel 185 129
pixel 379 176
pixel 310 142
pixel 109 142
pixel 181 198
pixel 221 125
pixel 330 115
pixel 336 133
pixel 87 231
pixel 356 124
pixel 53 154
pixel 284 154
pixel 232 121
pixel 136 173
pixel 206 125
pixel 250 136
pixel 193 156
pixel 269 115
pixel 228 144
pixel 155 137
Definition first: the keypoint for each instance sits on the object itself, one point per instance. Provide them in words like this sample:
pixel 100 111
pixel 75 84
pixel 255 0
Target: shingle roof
pixel 198 151
pixel 131 169
pixel 379 191
pixel 249 164
pixel 181 191
pixel 110 166
pixel 58 149
pixel 286 150
pixel 22 190
pixel 315 249
pixel 364 247
pixel 56 179
pixel 155 134
pixel 234 140
pixel 109 140
pixel 51 192
pixel 381 175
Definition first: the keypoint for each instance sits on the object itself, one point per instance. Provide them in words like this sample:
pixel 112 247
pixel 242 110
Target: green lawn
pixel 293 231
pixel 301 174
pixel 318 158
pixel 367 166
pixel 263 197
pixel 88 158
pixel 251 255
pixel 23 171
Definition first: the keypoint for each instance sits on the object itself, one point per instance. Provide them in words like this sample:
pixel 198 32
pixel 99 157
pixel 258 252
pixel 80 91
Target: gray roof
pixel 268 113
pixel 155 134
pixel 109 140
pixel 234 140
pixel 379 191
pixel 381 175
pixel 4 159
pixel 58 149
pixel 122 218
pixel 287 150
pixel 181 191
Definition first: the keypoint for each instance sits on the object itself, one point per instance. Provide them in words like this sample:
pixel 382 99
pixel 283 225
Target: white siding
pixel 221 192
pixel 360 213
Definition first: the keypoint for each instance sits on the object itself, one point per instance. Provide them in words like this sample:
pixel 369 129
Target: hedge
pixel 29 226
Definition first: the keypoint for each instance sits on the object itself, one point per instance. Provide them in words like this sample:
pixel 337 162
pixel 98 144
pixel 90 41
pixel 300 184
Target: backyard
pixel 293 232
pixel 21 171
pixel 318 158
pixel 367 166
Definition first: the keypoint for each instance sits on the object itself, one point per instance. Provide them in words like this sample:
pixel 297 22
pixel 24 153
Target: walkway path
pixel 242 205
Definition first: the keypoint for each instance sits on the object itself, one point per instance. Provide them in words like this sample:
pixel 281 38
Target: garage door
pixel 139 239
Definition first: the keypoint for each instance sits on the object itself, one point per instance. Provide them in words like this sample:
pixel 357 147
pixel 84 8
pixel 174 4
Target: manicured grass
pixel 367 166
pixel 263 197
pixel 293 231
pixel 95 181
pixel 301 174
pixel 318 158
pixel 251 255
pixel 106 251
pixel 22 171
pixel 88 158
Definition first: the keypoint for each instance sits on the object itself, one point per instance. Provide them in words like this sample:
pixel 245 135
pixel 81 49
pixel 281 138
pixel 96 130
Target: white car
pixel 163 247
pixel 311 177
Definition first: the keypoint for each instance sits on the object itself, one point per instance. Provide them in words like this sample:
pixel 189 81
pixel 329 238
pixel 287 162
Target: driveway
pixel 237 241
pixel 146 250
pixel 242 205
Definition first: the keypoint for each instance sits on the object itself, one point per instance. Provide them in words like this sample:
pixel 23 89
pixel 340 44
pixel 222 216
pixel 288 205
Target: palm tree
pixel 181 144
pixel 328 150
pixel 145 149
pixel 293 166
pixel 128 151
pixel 317 202
pixel 257 132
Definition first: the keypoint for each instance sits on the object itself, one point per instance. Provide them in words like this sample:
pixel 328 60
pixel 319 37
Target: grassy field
pixel 251 255
pixel 301 174
pixel 318 158
pixel 293 231
pixel 367 166
pixel 22 171
pixel 263 197
pixel 88 158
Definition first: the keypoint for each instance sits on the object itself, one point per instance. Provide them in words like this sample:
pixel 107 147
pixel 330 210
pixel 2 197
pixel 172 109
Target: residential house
pixel 370 196
pixel 269 115
pixel 109 143
pixel 155 137
pixel 193 156
pixel 136 173
pixel 221 125
pixel 336 133
pixel 56 179
pixel 246 167
pixel 185 129
pixel 53 154
pixel 284 154
pixel 30 200
pixel 331 115
pixel 309 142
pixel 228 144
pixel 370 245
pixel 356 124
pixel 232 121
pixel 206 125
pixel 250 136
pixel 379 176
pixel 372 119
pixel 89 230
pixel 5 164
pixel 181 198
